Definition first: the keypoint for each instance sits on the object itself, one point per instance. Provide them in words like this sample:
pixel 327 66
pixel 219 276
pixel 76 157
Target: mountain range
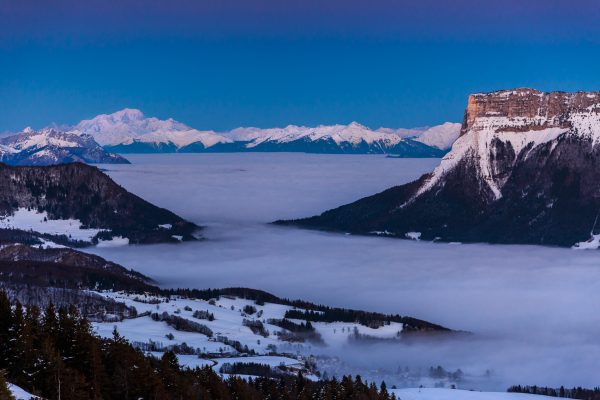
pixel 129 131
pixel 97 140
pixel 525 169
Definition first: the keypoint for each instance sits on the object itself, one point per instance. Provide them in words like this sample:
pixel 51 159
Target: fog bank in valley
pixel 533 310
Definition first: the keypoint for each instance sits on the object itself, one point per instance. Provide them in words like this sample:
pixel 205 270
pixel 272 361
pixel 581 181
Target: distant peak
pixel 355 124
pixel 128 114
pixel 28 129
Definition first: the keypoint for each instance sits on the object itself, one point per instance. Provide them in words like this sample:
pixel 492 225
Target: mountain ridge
pixel 77 205
pixel 129 131
pixel 51 146
pixel 524 170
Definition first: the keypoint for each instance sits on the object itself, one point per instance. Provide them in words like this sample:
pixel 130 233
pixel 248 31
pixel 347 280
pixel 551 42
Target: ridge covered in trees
pixel 54 354
pixel 311 311
pixel 82 192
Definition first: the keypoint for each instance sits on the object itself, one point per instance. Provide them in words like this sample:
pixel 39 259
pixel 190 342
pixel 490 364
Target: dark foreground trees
pixel 54 354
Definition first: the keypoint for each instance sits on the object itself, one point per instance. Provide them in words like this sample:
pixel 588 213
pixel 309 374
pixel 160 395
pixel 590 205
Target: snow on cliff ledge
pixel 522 119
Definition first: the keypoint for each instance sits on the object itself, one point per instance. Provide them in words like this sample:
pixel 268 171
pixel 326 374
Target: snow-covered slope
pixel 20 394
pixel 524 170
pixel 50 146
pixel 440 136
pixel 228 329
pixel 129 130
pixel 516 122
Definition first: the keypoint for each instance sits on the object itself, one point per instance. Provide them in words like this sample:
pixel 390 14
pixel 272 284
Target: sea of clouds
pixel 533 310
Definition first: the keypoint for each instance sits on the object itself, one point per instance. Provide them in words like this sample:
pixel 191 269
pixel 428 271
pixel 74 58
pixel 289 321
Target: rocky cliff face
pixel 526 169
pixel 528 108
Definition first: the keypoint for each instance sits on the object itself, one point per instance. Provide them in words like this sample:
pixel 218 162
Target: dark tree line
pixel 54 354
pixel 250 368
pixel 574 393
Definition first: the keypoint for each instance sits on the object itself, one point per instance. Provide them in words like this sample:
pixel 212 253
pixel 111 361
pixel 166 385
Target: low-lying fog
pixel 534 310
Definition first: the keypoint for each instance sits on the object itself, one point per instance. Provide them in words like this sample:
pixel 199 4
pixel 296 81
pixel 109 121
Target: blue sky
pixel 228 63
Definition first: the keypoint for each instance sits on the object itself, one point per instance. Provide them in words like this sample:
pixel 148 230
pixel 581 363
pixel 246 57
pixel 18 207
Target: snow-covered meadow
pixel 227 322
pixel 33 220
pixel 533 310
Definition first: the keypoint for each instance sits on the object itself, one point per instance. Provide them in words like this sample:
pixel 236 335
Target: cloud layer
pixel 533 309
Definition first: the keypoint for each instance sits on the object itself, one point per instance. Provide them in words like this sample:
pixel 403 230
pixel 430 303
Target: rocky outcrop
pixel 526 169
pixel 528 109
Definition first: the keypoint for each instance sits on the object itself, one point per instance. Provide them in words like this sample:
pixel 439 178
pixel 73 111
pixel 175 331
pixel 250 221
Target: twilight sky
pixel 219 64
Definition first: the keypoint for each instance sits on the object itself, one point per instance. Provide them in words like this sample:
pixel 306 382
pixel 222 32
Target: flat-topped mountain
pixel 50 146
pixel 76 204
pixel 525 169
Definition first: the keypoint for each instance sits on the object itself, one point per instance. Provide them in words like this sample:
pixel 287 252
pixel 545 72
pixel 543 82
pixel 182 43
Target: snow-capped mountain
pixel 440 136
pixel 351 138
pixel 129 131
pixel 525 169
pixel 50 146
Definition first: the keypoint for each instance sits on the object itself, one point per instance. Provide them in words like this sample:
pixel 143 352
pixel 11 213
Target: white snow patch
pixel 32 220
pixel 413 235
pixel 47 244
pixel 20 393
pixel 114 242
pixel 456 394
pixel 165 226
pixel 591 244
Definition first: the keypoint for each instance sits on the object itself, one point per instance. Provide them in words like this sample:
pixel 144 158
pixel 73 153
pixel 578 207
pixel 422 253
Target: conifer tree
pixel 5 393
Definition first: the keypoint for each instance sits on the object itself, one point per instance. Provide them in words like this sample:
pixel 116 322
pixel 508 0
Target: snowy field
pixel 228 321
pixel 36 221
pixel 449 394
pixel 533 309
